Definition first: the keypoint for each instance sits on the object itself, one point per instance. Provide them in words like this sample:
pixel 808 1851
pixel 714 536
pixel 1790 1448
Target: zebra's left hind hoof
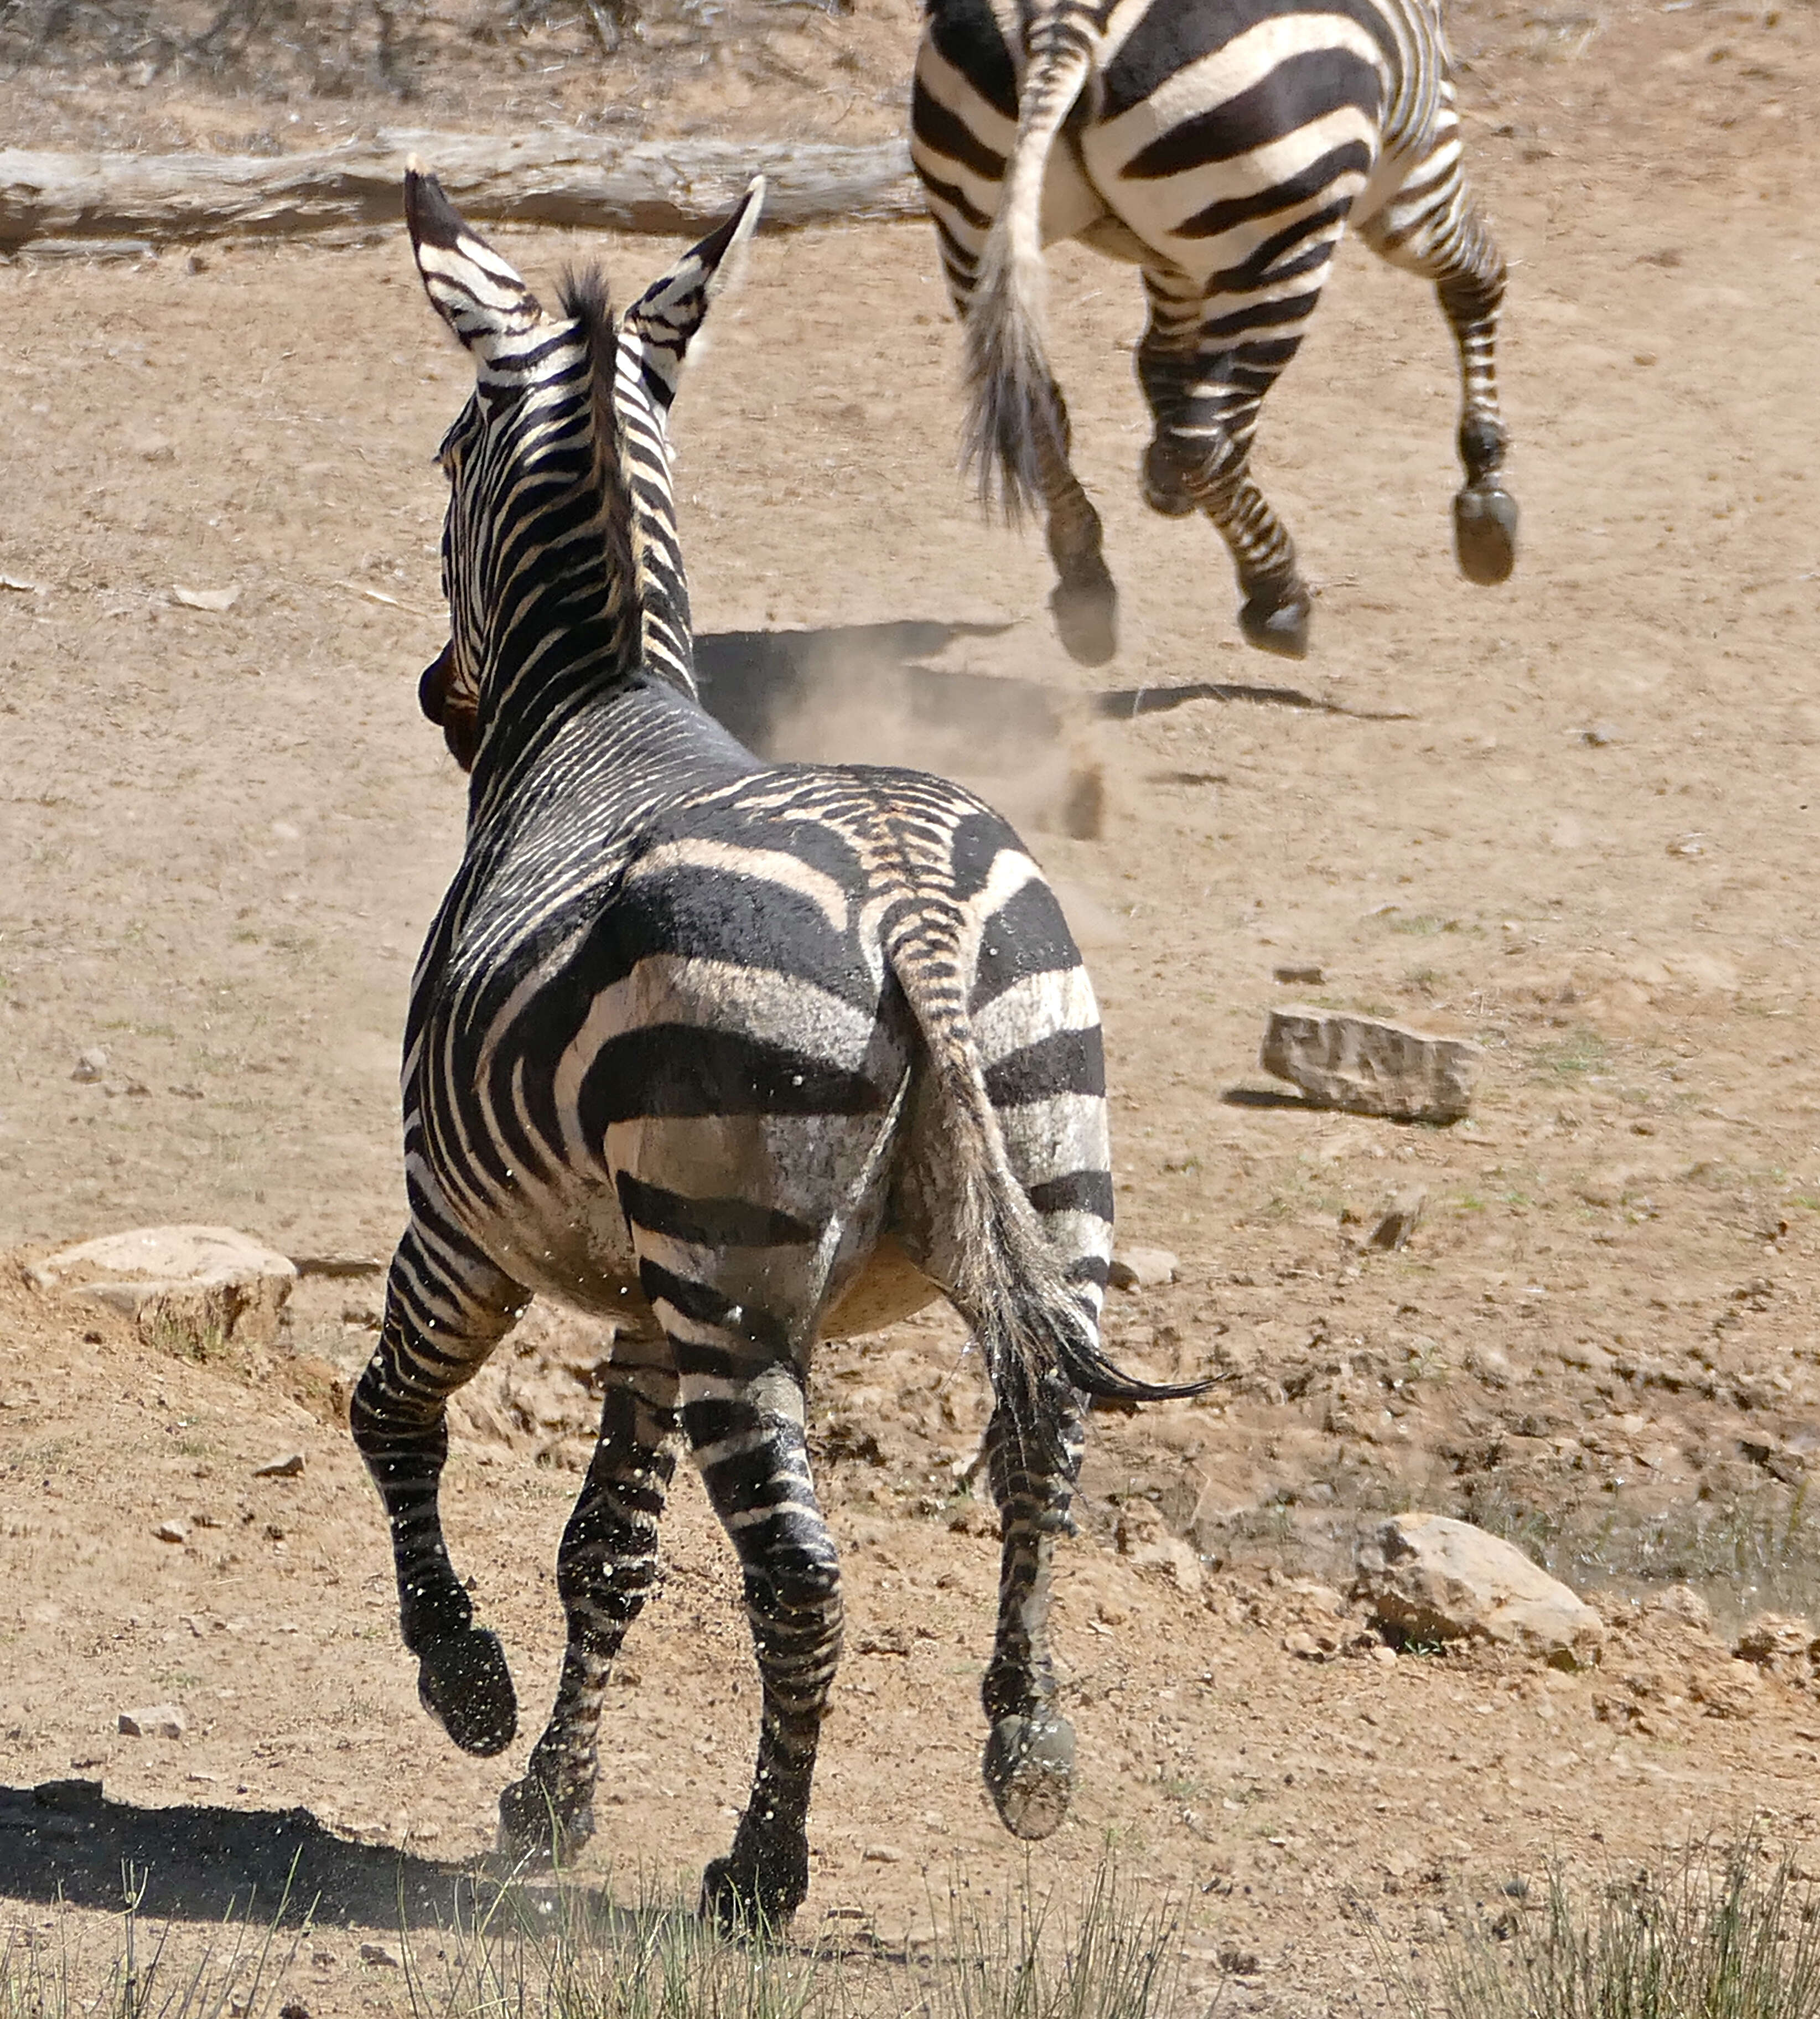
pixel 1029 1770
pixel 535 1823
pixel 1163 485
pixel 1278 625
pixel 754 1893
pixel 1086 619
pixel 1485 533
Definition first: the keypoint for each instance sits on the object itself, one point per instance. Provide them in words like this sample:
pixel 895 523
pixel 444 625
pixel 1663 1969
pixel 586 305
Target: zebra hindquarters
pixel 447 1307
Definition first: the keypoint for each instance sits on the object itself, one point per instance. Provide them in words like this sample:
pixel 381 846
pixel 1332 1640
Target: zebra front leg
pixel 606 1569
pixel 1203 390
pixel 438 1329
pixel 1029 1761
pixel 1436 230
pixel 747 1435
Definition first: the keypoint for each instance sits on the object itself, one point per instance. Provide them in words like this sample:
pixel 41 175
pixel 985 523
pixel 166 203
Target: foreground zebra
pixel 734 1054
pixel 1220 146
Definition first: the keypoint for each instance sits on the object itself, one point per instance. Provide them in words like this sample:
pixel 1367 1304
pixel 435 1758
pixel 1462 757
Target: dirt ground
pixel 1571 819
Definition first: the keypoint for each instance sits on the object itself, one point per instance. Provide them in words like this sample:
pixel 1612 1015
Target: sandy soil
pixel 1571 819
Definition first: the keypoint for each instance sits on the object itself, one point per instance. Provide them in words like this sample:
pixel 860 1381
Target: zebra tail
pixel 1013 416
pixel 1032 1324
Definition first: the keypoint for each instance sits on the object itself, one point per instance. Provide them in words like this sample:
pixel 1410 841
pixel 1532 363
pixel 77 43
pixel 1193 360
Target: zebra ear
pixel 469 286
pixel 664 320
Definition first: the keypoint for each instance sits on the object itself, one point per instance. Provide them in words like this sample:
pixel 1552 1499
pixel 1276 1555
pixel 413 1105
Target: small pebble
pixel 377 1953
pixel 288 1465
pixel 1142 1269
pixel 882 1853
pixel 91 1064
pixel 172 1531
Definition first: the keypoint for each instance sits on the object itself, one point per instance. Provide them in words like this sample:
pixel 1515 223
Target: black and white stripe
pixel 737 1055
pixel 1222 146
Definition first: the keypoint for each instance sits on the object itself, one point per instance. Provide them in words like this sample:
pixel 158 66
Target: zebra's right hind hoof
pixel 1086 619
pixel 535 1823
pixel 1485 533
pixel 1278 625
pixel 465 1686
pixel 1163 485
pixel 1029 1771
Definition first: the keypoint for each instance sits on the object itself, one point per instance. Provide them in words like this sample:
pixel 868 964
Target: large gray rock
pixel 1369 1067
pixel 1427 1578
pixel 187 1286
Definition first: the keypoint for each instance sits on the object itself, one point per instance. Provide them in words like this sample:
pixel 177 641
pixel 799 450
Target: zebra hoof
pixel 1029 1771
pixel 535 1823
pixel 1161 484
pixel 465 1686
pixel 1278 625
pixel 754 1893
pixel 1086 620
pixel 1484 534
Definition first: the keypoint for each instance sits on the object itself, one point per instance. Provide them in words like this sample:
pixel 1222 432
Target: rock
pixel 1369 1067
pixel 378 1954
pixel 1399 1221
pixel 189 1286
pixel 1141 1536
pixel 1774 1640
pixel 340 1267
pixel 155 1721
pixel 172 1531
pixel 1682 1602
pixel 1142 1269
pixel 1428 1578
pixel 882 1853
pixel 289 1466
pixel 1310 976
pixel 92 1064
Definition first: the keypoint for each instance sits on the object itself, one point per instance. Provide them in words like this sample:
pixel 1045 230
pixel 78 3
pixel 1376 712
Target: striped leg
pixel 606 1569
pixel 1432 227
pixel 1030 1747
pixel 745 1428
pixel 446 1309
pixel 1085 601
pixel 1205 373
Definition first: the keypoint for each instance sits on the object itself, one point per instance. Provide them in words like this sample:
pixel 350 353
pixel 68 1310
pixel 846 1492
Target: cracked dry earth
pixel 1571 820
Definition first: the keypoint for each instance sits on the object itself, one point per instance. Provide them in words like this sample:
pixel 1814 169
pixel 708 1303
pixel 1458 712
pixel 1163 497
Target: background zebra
pixel 1220 146
pixel 732 1053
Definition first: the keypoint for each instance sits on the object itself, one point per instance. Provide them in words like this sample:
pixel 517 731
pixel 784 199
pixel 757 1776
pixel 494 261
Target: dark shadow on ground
pixel 1268 1096
pixel 65 1841
pixel 1125 704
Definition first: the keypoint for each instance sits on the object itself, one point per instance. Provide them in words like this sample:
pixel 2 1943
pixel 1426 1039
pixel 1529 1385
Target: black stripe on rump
pixel 960 203
pixel 947 134
pixel 682 1069
pixel 1169 38
pixel 1296 90
pixel 967 37
pixel 701 1303
pixel 1276 259
pixel 1355 157
pixel 1064 1062
pixel 1026 935
pixel 1075 1191
pixel 709 1222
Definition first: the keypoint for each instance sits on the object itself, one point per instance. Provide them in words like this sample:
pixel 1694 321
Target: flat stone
pixel 1429 1578
pixel 882 1853
pixel 154 1721
pixel 185 1286
pixel 1142 1269
pixel 172 1531
pixel 1368 1067
pixel 92 1065
pixel 289 1466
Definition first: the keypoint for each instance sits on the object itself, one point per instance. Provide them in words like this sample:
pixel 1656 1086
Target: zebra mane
pixel 582 295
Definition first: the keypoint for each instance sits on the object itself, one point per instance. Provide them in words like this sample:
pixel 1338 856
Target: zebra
pixel 734 1054
pixel 1221 146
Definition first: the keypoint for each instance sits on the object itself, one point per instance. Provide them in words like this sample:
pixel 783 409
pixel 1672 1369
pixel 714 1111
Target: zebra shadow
pixel 249 1871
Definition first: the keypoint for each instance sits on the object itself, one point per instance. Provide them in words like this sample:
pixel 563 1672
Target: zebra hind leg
pixel 1085 600
pixel 747 1436
pixel 1030 1747
pixel 606 1569
pixel 1436 230
pixel 436 1335
pixel 1204 389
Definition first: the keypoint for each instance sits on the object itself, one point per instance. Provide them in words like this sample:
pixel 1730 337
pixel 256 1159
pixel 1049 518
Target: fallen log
pixel 567 178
